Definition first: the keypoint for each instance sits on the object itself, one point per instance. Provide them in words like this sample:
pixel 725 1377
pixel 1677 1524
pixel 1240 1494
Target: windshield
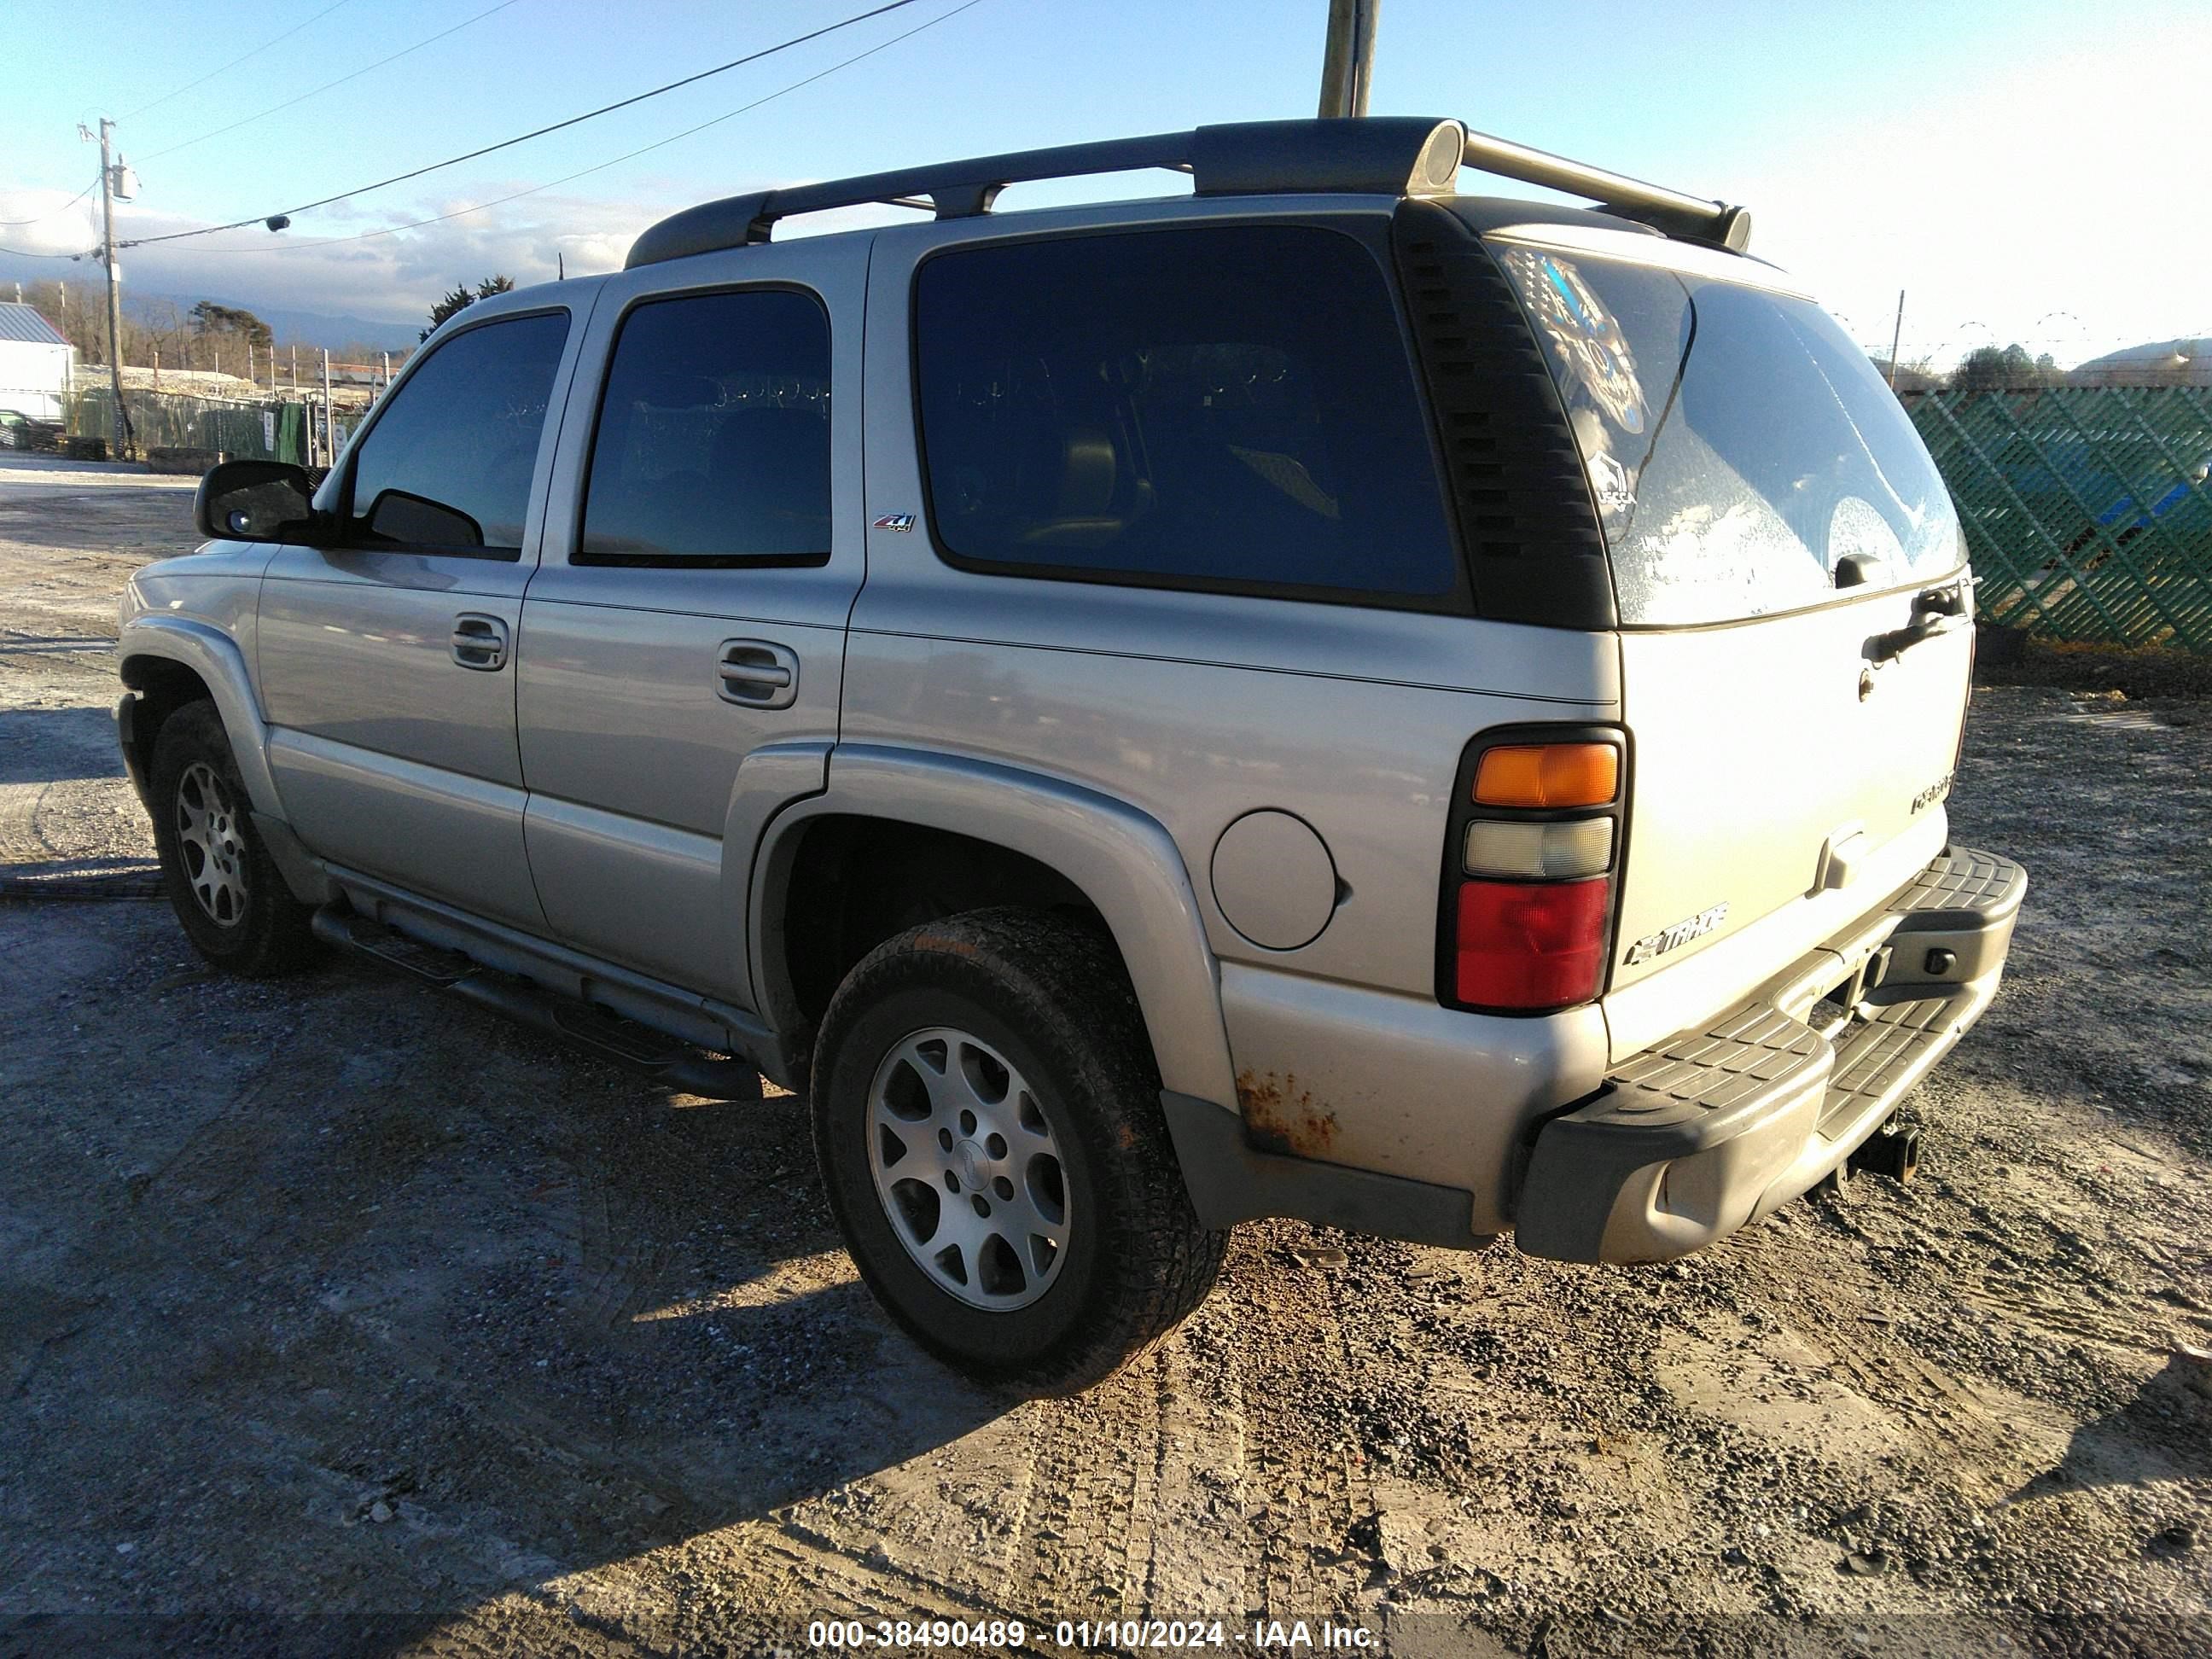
pixel 1738 445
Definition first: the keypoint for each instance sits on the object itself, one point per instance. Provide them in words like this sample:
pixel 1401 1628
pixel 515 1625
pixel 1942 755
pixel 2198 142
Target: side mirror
pixel 255 501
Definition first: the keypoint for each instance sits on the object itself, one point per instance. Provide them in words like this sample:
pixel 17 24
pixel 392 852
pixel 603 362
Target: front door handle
pixel 480 641
pixel 757 674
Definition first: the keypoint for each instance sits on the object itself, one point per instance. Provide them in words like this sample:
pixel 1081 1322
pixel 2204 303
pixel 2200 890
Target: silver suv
pixel 1324 696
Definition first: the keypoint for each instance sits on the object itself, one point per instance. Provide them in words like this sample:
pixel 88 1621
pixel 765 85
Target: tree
pixel 460 300
pixel 211 322
pixel 2004 368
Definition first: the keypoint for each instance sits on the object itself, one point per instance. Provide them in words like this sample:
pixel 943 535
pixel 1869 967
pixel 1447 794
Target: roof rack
pixel 1395 156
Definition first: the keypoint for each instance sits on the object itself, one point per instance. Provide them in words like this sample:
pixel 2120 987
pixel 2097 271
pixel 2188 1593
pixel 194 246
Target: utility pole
pixel 329 450
pixel 125 444
pixel 1896 335
pixel 1348 62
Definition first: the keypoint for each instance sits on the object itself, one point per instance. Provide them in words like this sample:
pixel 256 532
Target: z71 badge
pixel 1670 939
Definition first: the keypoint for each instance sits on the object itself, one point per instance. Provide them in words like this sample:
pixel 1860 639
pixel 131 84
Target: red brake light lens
pixel 1523 945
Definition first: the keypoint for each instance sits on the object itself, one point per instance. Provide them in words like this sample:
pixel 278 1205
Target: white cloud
pixel 323 263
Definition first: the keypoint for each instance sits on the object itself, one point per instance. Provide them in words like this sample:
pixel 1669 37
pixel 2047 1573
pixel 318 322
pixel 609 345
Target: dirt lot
pixel 335 1317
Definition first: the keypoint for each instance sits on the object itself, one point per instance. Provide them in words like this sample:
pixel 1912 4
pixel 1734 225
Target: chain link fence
pixel 264 431
pixel 2087 510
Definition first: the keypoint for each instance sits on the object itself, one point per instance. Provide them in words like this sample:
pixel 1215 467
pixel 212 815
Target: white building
pixel 34 364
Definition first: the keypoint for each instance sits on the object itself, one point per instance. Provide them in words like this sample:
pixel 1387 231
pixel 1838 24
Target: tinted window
pixel 713 436
pixel 448 462
pixel 1739 445
pixel 1206 406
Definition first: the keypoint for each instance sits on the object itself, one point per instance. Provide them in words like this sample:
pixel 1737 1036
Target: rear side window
pixel 1230 409
pixel 448 465
pixel 712 445
pixel 1738 445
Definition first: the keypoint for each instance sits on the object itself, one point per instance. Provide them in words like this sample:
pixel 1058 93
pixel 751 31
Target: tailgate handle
pixel 1935 611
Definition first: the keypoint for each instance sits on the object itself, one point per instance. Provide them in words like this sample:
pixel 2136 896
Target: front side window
pixel 1227 408
pixel 448 465
pixel 713 445
pixel 1740 446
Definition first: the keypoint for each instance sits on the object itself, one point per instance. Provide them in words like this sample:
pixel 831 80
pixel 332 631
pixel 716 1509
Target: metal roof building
pixel 34 363
pixel 21 322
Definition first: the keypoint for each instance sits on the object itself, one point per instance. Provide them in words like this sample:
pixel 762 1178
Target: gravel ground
pixel 338 1318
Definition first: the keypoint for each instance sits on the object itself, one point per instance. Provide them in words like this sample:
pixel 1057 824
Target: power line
pixel 540 133
pixel 55 213
pixel 233 64
pixel 601 166
pixel 248 120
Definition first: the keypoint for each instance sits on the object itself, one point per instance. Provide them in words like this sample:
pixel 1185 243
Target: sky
pixel 2021 175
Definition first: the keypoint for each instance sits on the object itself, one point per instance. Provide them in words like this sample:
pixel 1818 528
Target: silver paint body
pixel 598 804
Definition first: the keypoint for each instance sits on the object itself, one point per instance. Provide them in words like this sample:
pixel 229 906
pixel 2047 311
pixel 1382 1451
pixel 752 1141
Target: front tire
pixel 221 883
pixel 987 1119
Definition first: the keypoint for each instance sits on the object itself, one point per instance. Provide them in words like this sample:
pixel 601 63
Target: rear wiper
pixel 1935 611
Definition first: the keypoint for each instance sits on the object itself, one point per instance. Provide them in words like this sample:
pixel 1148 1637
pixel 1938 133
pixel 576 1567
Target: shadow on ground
pixel 470 1313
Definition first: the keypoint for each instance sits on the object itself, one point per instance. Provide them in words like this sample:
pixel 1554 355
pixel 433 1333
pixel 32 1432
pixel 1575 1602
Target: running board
pixel 663 1060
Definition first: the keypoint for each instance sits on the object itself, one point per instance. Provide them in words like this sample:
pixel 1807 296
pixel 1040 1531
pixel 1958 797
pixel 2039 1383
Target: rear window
pixel 1738 445
pixel 1219 408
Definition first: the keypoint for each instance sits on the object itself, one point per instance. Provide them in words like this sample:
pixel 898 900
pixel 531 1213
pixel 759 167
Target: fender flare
pixel 1123 861
pixel 215 657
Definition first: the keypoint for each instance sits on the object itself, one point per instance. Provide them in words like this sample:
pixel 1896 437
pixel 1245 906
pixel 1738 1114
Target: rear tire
pixel 987 1114
pixel 226 889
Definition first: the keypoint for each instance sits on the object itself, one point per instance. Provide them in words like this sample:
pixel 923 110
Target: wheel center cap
pixel 971 1161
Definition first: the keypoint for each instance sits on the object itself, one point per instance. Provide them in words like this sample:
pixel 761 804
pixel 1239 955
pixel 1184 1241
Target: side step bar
pixel 639 1048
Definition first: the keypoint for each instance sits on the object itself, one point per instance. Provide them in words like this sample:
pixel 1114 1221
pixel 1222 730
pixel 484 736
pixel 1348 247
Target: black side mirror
pixel 255 501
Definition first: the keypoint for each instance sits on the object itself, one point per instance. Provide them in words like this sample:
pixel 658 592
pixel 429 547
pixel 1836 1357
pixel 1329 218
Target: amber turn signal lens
pixel 1548 775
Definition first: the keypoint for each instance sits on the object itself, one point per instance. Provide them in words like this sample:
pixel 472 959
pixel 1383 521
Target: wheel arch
pixel 171 660
pixel 1047 841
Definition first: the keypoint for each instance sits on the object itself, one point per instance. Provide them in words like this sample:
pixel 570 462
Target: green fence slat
pixel 2081 506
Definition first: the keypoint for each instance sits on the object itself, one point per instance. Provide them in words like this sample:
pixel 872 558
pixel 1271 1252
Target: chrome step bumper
pixel 1711 1129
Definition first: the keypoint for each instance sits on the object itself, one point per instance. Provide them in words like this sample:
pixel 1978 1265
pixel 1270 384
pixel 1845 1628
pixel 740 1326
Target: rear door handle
pixel 757 674
pixel 480 641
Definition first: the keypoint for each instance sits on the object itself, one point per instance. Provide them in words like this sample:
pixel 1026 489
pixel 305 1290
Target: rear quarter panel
pixel 1199 708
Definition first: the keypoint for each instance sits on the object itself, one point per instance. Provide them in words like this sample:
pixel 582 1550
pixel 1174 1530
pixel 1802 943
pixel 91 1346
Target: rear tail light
pixel 1548 775
pixel 1530 944
pixel 1539 851
pixel 1529 877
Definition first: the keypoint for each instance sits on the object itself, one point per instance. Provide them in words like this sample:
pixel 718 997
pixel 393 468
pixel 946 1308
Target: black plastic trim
pixel 1528 526
pixel 1382 156
pixel 1230 1181
pixel 126 735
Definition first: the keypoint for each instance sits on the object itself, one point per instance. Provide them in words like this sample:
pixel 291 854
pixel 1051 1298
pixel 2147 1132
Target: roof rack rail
pixel 1396 156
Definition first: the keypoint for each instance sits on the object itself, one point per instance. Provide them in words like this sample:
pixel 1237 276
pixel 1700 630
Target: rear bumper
pixel 1713 1129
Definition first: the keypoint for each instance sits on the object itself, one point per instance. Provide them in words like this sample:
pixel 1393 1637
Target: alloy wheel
pixel 967 1168
pixel 210 836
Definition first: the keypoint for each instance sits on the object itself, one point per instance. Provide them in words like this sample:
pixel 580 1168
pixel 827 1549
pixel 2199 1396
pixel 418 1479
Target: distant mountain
pixel 321 327
pixel 339 330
